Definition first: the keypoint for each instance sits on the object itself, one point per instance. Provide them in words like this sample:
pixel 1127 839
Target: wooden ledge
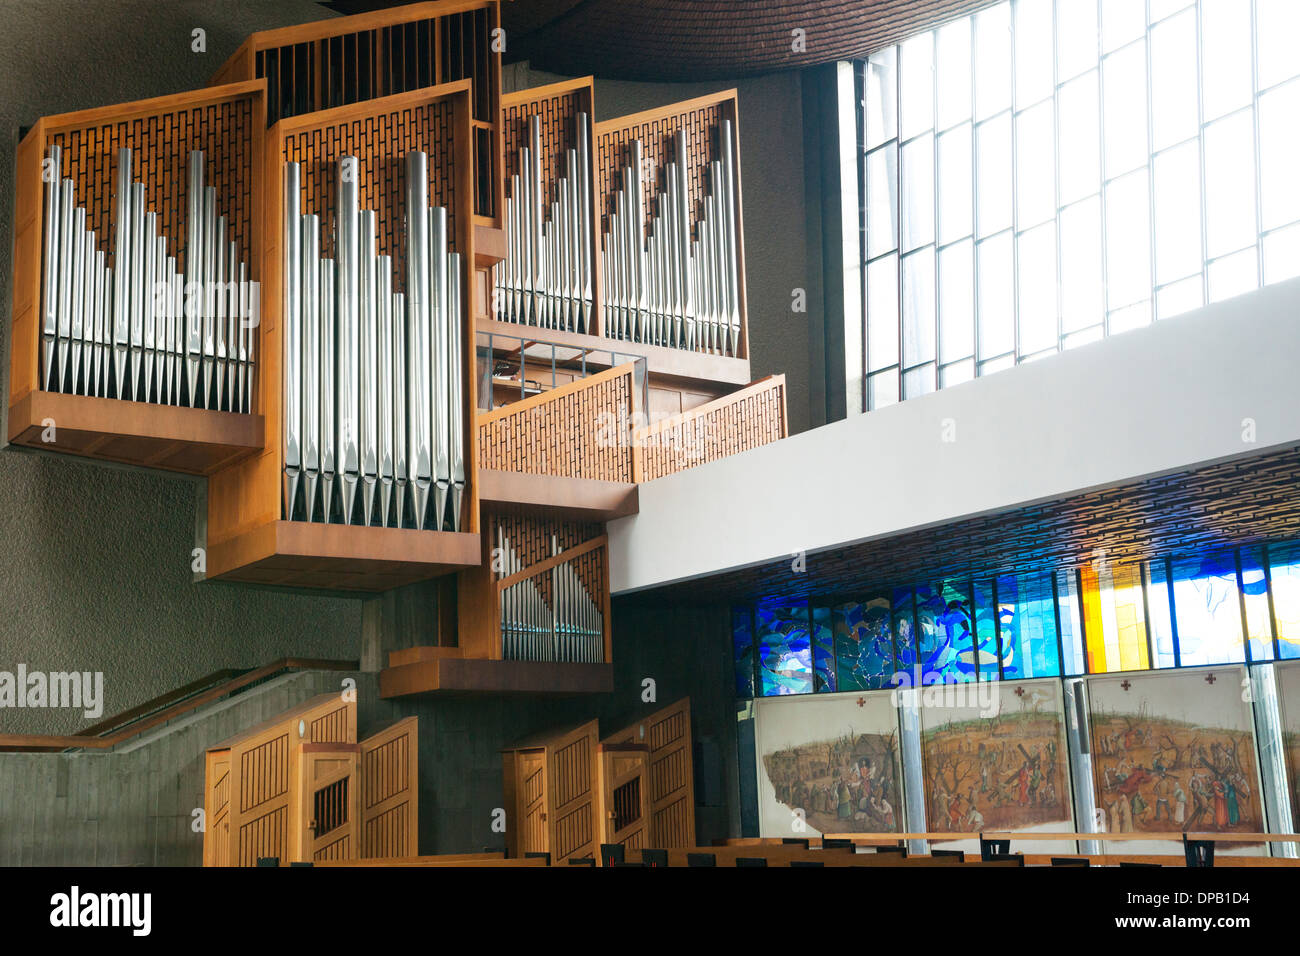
pixel 678 365
pixel 442 673
pixel 194 441
pixel 583 499
pixel 489 246
pixel 340 557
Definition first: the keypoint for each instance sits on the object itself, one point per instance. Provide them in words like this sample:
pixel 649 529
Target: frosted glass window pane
pixel 918 193
pixel 1124 100
pixel 1085 337
pixel 1232 275
pixel 881 109
pixel 1035 166
pixel 1128 236
pixel 992 60
pixel 1207 610
pixel 1282 254
pixel 1277 25
pixel 1037 303
pixel 1080 138
pixel 1076 37
pixel 997 365
pixel 1130 317
pixel 996 313
pixel 993 169
pixel 882 389
pixel 882 201
pixel 882 313
pixel 1178 212
pixel 1033 36
pixel 1173 80
pixel 1081 280
pixel 1121 21
pixel 955 173
pixel 1230 183
pixel 1163 8
pixel 1182 296
pixel 956 302
pixel 1225 56
pixel 918 307
pixel 916 75
pixel 1279 154
pixel 957 373
pixel 918 381
pixel 953 45
pixel 1156 579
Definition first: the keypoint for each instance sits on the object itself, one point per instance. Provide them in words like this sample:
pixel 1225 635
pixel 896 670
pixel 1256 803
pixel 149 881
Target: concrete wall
pixel 1139 404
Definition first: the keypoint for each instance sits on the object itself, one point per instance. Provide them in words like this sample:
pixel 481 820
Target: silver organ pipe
pixel 293 338
pixel 124 330
pixel 381 377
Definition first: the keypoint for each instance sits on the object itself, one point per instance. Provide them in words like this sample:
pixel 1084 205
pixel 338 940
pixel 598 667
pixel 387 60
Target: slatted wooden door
pixel 390 783
pixel 571 793
pixel 624 794
pixel 534 835
pixel 667 735
pixel 329 802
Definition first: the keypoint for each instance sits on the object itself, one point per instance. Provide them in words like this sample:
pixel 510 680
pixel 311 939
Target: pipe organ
pixel 373 385
pixel 156 326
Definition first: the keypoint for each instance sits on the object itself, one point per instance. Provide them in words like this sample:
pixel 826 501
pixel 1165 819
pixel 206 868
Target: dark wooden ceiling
pixel 700 39
pixel 1231 503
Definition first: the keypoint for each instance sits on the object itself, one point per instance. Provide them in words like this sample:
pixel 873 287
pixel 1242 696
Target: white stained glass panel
pixel 1230 184
pixel 997 310
pixel 1233 275
pixel 1076 37
pixel 953 56
pixel 882 201
pixel 1033 42
pixel 1121 21
pixel 1037 281
pixel 956 302
pixel 1279 154
pixel 1180 297
pixel 955 174
pixel 1178 212
pixel 993 175
pixel 1277 28
pixel 1173 80
pixel 1225 56
pixel 1124 107
pixel 1035 166
pixel 918 307
pixel 882 313
pixel 918 193
pixel 1080 145
pixel 1128 237
pixel 992 60
pixel 1081 279
pixel 1282 254
pixel 881 93
pixel 916 74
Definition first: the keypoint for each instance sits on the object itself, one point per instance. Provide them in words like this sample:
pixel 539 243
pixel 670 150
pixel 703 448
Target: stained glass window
pixel 784 650
pixel 864 645
pixel 1027 616
pixel 1114 619
pixel 944 627
pixel 823 645
pixel 1254 599
pixel 986 630
pixel 742 642
pixel 1284 579
pixel 1207 610
pixel 903 618
pixel 1067 602
pixel 1159 614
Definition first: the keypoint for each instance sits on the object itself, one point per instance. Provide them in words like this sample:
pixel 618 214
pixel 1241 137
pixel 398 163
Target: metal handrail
pixel 496 349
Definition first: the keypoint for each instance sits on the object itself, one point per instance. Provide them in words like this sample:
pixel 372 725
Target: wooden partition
pixel 666 735
pixel 227 124
pixel 749 418
pixel 347 60
pixel 550 794
pixel 248 538
pixel 299 787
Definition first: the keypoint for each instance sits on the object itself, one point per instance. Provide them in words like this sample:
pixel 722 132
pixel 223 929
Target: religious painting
pixel 1288 697
pixel 994 757
pixel 828 764
pixel 1174 752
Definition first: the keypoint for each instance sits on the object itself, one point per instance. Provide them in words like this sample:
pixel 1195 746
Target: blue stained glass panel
pixel 1159 616
pixel 742 642
pixel 1027 617
pixel 784 650
pixel 903 619
pixel 986 630
pixel 1207 611
pixel 1284 578
pixel 864 645
pixel 944 629
pixel 823 643
pixel 1067 600
pixel 1254 598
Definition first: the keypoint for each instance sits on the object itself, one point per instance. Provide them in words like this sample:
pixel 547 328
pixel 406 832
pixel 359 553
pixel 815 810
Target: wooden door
pixel 531 792
pixel 624 794
pixel 390 785
pixel 667 735
pixel 327 818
